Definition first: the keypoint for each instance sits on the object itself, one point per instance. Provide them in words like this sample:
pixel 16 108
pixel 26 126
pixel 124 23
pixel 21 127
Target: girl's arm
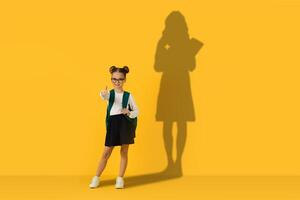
pixel 135 110
pixel 103 95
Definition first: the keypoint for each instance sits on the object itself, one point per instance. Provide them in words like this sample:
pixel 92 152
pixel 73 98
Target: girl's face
pixel 118 79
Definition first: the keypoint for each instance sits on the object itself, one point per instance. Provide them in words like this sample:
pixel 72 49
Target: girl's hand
pixel 104 92
pixel 125 111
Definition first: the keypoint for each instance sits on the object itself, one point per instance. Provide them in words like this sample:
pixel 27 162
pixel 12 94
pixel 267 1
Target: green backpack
pixel 133 121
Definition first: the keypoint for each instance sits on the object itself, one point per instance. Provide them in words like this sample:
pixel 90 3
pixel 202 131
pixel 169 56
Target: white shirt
pixel 117 105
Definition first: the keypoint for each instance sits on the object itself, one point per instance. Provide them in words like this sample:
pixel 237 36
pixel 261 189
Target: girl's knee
pixel 124 150
pixel 106 155
pixel 107 152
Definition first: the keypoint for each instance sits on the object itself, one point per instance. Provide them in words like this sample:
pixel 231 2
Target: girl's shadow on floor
pixel 132 181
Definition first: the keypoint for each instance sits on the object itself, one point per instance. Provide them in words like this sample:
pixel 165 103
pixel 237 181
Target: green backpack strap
pixel 125 99
pixel 133 121
pixel 110 104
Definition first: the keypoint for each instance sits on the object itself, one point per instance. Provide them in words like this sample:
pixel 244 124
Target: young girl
pixel 117 132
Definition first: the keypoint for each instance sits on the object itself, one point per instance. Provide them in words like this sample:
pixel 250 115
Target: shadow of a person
pixel 174 57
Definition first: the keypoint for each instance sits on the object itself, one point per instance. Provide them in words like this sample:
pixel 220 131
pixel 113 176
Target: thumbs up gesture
pixel 104 93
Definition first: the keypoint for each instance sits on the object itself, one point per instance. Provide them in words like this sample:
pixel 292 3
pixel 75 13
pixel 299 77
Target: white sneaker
pixel 95 182
pixel 119 182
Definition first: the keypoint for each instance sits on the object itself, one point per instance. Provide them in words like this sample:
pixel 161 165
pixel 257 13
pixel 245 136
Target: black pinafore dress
pixel 119 128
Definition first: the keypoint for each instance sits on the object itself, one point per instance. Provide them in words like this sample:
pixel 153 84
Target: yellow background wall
pixel 54 60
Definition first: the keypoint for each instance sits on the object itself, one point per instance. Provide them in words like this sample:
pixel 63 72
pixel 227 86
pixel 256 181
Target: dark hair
pixel 123 70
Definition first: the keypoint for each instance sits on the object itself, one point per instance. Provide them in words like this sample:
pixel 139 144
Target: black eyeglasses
pixel 119 80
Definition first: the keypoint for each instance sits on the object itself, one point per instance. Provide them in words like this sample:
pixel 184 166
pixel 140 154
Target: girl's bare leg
pixel 106 154
pixel 124 159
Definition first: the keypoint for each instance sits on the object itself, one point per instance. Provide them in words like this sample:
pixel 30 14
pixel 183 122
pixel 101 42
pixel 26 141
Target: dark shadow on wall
pixel 174 58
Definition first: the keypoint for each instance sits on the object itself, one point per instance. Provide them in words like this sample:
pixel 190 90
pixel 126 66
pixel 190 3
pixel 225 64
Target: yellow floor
pixel 151 186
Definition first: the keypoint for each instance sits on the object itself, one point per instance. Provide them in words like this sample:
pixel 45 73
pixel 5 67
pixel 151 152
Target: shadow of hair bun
pixel 126 69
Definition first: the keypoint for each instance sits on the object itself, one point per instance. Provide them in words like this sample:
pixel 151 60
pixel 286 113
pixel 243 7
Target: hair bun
pixel 112 69
pixel 126 69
